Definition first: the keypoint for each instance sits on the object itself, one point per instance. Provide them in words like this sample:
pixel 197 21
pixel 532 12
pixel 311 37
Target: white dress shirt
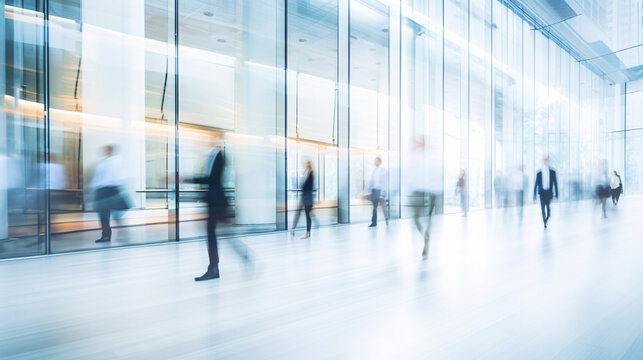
pixel 112 171
pixel 378 178
pixel 545 176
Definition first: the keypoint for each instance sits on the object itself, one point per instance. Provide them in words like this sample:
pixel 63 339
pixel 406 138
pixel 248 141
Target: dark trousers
pixel 105 215
pixel 213 250
pixel 544 207
pixel 419 207
pixel 376 198
pixel 307 209
pixel 616 194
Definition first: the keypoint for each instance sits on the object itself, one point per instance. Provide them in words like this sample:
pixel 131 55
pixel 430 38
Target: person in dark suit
pixel 616 186
pixel 306 199
pixel 217 207
pixel 547 188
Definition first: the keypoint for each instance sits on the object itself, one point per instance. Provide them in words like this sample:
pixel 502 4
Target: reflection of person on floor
pixel 546 187
pixel 306 199
pixel 108 182
pixel 378 191
pixel 217 210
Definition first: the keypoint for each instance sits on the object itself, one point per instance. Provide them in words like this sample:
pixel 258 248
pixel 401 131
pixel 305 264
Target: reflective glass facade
pixel 336 82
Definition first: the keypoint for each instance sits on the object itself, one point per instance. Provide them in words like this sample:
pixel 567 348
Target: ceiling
pixel 605 35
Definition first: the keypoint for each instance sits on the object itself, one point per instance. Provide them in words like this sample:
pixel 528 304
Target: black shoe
pixel 372 225
pixel 209 275
pixel 102 240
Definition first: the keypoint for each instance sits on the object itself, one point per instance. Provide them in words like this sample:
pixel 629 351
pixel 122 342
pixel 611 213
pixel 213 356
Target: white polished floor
pixel 492 288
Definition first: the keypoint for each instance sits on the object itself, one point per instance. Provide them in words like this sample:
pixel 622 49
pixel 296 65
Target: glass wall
pixel 114 107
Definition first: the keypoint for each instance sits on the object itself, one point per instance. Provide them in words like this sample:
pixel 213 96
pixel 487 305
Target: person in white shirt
pixel 378 191
pixel 425 178
pixel 109 179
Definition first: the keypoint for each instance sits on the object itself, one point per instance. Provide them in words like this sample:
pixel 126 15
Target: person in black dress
pixel 306 199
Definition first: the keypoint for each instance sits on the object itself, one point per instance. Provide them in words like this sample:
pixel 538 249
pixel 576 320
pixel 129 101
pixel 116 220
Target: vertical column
pixel 281 124
pixel 4 204
pixel 343 120
pixel 255 108
pixel 394 95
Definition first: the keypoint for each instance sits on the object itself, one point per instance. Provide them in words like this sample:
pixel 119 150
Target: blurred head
pixel 462 173
pixel 419 142
pixel 615 173
pixel 546 161
pixel 308 165
pixel 378 161
pixel 108 150
pixel 216 140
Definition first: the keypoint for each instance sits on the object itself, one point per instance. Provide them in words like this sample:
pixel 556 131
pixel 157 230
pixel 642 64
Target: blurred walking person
pixel 109 182
pixel 306 199
pixel 602 187
pixel 461 189
pixel 499 184
pixel 217 209
pixel 616 186
pixel 517 185
pixel 426 181
pixel 378 191
pixel 547 188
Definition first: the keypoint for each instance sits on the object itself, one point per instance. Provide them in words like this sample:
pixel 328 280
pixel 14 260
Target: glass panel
pixel 22 134
pixel 312 105
pixel 541 93
pixel 369 121
pixel 229 77
pixel 112 123
pixel 634 162
pixel 479 102
pixel 529 86
pixel 456 93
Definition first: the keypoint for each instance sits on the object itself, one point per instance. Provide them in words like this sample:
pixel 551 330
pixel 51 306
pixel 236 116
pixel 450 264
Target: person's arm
pixel 536 187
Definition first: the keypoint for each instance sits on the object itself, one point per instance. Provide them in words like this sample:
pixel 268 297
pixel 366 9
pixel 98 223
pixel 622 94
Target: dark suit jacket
pixel 307 190
pixel 553 185
pixel 215 196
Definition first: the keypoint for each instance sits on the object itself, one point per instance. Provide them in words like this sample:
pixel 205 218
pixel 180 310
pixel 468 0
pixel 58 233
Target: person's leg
pixel 603 201
pixel 432 203
pixel 309 220
pixel 296 219
pixel 548 207
pixel 104 224
pixel 384 206
pixel 375 198
pixel 213 251
pixel 418 201
pixel 543 205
